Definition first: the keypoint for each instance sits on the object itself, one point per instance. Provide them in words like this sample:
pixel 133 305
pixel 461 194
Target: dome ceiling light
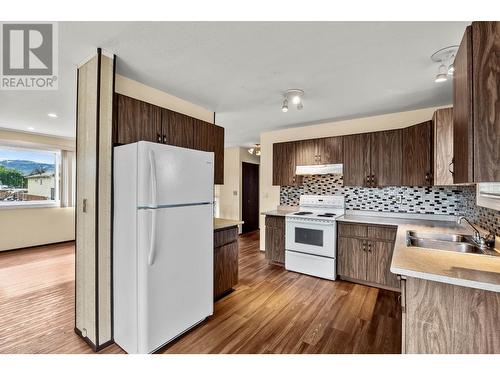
pixel 294 96
pixel 255 150
pixel 445 57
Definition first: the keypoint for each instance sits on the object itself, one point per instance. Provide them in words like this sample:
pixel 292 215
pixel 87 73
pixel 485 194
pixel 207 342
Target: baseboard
pixel 368 283
pixel 93 346
pixel 41 245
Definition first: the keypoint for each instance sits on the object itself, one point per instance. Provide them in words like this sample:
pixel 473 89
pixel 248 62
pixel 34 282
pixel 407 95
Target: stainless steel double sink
pixel 443 241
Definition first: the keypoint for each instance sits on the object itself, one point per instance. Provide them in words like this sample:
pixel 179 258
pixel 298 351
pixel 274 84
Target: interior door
pixel 173 176
pixel 386 158
pixel 357 159
pixel 250 197
pixel 175 272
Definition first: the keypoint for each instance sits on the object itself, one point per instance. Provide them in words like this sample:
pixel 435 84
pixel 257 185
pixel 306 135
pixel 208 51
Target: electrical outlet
pixel 398 199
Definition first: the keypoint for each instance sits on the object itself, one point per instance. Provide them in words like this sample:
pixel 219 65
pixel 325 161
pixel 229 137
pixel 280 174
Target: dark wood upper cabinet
pixel 284 164
pixel 386 158
pixel 357 160
pixel 476 107
pixel 462 111
pixel 177 129
pixel 210 137
pixel 330 150
pixel 486 101
pixel 417 151
pixel 442 123
pixel 136 121
pixel 306 152
pixel 319 151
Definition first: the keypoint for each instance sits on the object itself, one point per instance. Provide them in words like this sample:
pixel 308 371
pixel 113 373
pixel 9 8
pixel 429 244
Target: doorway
pixel 250 197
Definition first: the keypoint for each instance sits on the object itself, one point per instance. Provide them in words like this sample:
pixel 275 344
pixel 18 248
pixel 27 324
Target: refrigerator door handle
pixel 152 164
pixel 152 245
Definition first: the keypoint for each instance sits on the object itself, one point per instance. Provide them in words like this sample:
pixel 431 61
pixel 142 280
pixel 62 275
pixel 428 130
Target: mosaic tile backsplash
pixel 439 200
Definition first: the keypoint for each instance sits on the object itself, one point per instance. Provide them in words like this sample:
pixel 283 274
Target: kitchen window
pixel 31 177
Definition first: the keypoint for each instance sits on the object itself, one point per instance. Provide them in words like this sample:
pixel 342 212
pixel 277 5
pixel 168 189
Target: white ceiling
pixel 240 69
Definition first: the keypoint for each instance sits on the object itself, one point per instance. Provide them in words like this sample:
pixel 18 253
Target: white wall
pixel 23 227
pixel 269 194
pixel 229 194
pixel 137 90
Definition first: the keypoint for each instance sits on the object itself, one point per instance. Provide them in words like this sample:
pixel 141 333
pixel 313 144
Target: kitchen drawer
pixel 382 233
pixel 352 230
pixel 310 265
pixel 225 236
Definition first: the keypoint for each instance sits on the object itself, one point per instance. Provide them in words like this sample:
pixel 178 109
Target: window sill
pixel 33 204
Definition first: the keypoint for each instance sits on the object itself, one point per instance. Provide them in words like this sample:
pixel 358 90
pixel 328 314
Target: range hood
pixel 302 170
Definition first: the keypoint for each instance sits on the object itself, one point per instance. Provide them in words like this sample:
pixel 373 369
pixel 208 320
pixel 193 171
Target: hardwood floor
pixel 270 311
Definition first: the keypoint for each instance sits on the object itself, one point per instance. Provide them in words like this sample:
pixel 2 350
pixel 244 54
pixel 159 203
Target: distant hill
pixel 26 167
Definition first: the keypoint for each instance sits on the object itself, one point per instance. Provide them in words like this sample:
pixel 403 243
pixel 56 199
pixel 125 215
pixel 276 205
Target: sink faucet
pixel 481 241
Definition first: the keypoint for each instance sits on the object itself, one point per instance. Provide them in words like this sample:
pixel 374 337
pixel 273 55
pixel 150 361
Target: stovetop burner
pixel 327 215
pixel 302 213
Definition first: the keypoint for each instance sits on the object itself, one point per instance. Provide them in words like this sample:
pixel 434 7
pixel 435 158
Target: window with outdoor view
pixel 28 176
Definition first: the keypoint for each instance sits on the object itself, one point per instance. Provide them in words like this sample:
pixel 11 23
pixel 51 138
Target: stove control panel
pixel 326 201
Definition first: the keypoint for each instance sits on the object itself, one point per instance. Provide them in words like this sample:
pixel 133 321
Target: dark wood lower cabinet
pixel 440 318
pixel 352 257
pixel 275 239
pixel 364 254
pixel 379 263
pixel 225 261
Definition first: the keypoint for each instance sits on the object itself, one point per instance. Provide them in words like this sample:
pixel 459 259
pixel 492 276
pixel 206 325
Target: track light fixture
pixel 255 150
pixel 445 57
pixel 295 96
pixel 284 106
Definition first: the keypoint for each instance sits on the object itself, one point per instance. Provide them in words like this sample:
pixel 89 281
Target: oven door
pixel 310 237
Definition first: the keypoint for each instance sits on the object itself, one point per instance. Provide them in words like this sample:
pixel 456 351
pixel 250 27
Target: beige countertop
pixel 470 270
pixel 225 223
pixel 281 211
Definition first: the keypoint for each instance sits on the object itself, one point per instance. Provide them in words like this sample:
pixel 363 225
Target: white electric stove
pixel 311 234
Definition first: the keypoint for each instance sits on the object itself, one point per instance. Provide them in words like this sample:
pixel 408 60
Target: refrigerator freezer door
pixel 176 291
pixel 169 175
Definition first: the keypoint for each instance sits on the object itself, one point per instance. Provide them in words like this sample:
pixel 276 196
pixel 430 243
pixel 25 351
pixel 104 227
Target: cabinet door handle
pixel 368 180
pixel 165 139
pixel 84 205
pixel 158 137
pixel 373 180
pixel 449 165
pixel 369 247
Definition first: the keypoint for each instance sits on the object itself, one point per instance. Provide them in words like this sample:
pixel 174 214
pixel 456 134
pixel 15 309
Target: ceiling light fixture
pixel 31 128
pixel 284 106
pixel 53 115
pixel 445 57
pixel 442 75
pixel 255 150
pixel 295 96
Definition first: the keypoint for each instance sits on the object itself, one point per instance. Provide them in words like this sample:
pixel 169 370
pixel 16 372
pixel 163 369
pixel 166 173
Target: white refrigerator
pixel 162 243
